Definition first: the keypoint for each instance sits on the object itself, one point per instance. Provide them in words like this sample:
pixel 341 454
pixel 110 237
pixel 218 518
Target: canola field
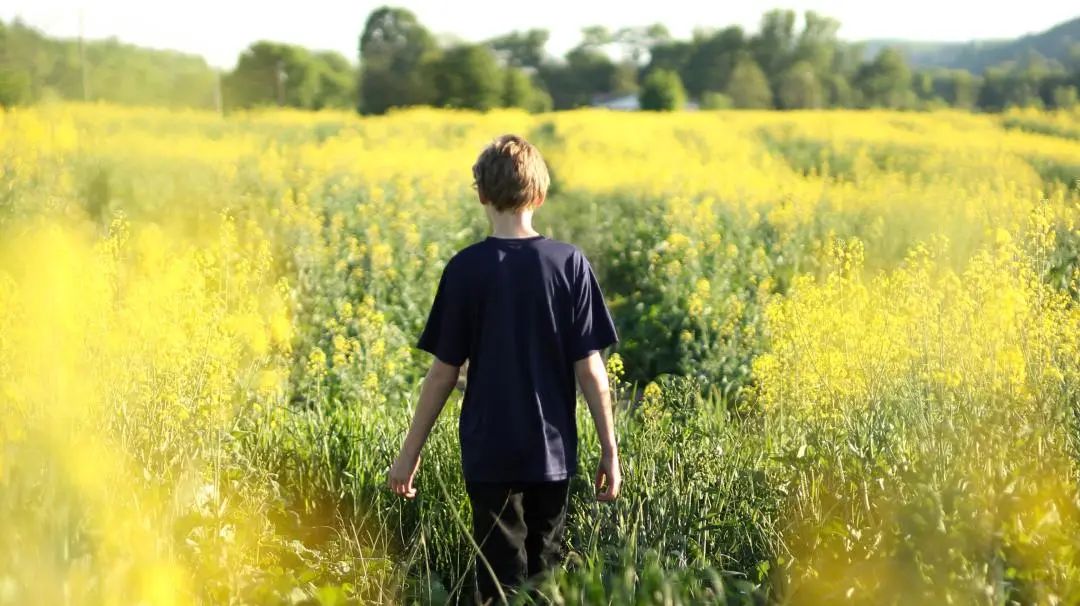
pixel 849 368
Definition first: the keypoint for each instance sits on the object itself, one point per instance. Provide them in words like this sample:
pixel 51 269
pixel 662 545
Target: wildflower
pixel 370 383
pixel 615 367
pixel 316 364
pixel 652 392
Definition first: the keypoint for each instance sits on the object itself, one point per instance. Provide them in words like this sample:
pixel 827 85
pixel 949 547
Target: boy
pixel 527 313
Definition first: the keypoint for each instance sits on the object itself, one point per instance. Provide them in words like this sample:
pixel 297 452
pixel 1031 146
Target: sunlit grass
pixel 848 368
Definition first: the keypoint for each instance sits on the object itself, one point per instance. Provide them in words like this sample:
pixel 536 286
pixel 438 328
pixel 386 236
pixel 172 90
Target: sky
pixel 219 30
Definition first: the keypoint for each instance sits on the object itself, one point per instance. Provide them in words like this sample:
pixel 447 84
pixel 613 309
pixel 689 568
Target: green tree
pixel 714 100
pixel 269 73
pixel 837 91
pixel 468 76
pixel 673 54
pixel 817 43
pixel 799 87
pixel 836 80
pixel 337 81
pixel 995 89
pixel 14 87
pixel 748 86
pixel 636 41
pixel 957 87
pixel 1072 58
pixel 587 71
pixel 774 45
pixel 521 49
pixel 922 84
pixel 1065 97
pixel 35 67
pixel 885 81
pixel 624 80
pixel 1016 84
pixel 596 37
pixel 519 90
pixel 662 90
pixel 394 50
pixel 709 65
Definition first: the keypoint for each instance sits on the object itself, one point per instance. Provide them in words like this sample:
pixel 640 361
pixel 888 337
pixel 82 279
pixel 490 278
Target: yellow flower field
pixel 849 368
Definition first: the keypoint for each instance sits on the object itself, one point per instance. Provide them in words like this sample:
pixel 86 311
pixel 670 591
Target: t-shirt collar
pixel 526 239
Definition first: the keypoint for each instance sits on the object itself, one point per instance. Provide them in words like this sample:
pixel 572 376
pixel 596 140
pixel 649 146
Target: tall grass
pixel 848 368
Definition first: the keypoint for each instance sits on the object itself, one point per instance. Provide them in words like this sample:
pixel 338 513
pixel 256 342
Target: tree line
pixel 780 66
pixel 34 67
pixel 787 64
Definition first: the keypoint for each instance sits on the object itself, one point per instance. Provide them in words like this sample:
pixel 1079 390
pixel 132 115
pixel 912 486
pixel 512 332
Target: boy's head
pixel 510 175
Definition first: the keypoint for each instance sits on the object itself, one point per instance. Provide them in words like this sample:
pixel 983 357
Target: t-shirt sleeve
pixel 446 333
pixel 592 326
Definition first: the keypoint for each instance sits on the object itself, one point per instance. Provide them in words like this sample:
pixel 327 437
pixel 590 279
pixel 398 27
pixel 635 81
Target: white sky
pixel 219 30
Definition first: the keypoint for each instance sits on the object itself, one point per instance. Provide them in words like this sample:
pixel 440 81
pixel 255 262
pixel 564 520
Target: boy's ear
pixel 539 201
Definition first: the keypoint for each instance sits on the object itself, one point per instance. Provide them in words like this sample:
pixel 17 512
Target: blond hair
pixel 510 174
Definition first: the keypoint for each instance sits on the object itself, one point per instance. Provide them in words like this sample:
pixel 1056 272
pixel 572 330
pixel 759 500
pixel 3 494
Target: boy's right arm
pixel 593 380
pixel 434 391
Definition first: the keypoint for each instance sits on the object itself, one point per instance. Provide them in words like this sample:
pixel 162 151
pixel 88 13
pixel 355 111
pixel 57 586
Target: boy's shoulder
pixel 566 249
pixel 549 247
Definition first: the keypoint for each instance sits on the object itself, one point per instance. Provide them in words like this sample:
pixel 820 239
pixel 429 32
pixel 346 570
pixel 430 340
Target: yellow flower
pixel 281 330
pixel 615 367
pixel 695 305
pixel 370 382
pixel 270 381
pixel 652 391
pixel 316 364
pixel 1002 237
pixel 345 310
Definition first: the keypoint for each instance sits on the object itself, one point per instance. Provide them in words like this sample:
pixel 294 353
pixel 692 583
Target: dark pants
pixel 519 527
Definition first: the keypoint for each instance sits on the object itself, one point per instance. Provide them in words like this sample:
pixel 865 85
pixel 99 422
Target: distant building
pixel 627 102
pixel 620 101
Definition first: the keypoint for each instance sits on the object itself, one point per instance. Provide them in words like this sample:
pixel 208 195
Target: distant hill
pixel 1055 44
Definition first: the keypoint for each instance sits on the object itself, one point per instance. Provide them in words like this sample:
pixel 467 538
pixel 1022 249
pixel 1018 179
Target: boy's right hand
pixel 401 474
pixel 608 478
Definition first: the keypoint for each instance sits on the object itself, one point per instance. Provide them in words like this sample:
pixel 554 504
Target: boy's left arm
pixel 439 382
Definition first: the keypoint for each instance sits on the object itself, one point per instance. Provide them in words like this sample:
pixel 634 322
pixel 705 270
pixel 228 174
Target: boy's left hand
pixel 401 474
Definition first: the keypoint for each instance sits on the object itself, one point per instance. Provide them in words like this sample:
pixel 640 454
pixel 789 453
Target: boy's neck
pixel 512 225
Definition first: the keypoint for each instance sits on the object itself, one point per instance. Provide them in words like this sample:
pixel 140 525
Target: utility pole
pixel 82 60
pixel 219 102
pixel 279 77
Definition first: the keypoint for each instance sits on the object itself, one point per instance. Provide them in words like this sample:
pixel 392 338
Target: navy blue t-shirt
pixel 522 311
